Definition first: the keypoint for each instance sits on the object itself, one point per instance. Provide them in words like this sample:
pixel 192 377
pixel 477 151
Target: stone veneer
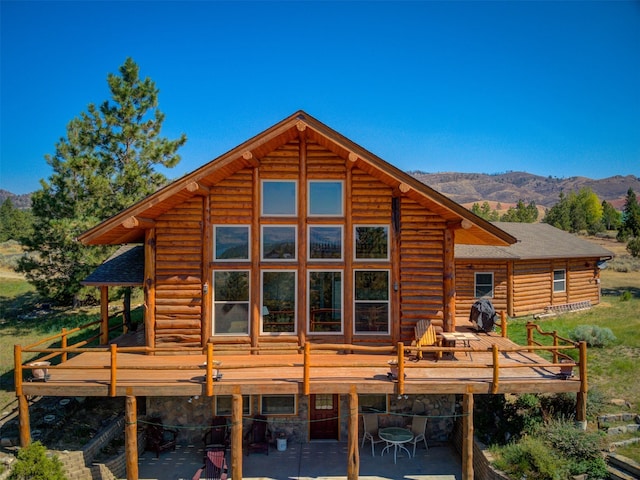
pixel 193 418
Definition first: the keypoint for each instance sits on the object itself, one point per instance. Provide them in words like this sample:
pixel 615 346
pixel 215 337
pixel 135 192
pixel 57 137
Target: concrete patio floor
pixel 306 461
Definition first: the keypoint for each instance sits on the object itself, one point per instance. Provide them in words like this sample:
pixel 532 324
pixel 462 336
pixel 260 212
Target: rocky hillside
pixel 19 201
pixel 508 188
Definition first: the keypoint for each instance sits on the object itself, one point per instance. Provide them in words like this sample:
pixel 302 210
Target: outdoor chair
pixel 426 336
pixel 418 428
pixel 215 466
pixel 217 436
pixel 258 436
pixel 159 438
pixel 370 431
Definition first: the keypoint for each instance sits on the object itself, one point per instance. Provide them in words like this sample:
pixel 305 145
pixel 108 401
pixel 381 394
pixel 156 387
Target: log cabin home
pixel 284 278
pixel 548 270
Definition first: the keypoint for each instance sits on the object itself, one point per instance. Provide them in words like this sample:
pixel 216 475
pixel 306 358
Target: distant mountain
pixel 19 201
pixel 504 188
pixel 508 188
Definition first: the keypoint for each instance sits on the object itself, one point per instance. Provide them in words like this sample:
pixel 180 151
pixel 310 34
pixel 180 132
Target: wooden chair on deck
pixel 258 435
pixel 426 336
pixel 217 436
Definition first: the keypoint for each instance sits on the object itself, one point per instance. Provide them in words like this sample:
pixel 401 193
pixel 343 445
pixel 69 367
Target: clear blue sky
pixel 551 88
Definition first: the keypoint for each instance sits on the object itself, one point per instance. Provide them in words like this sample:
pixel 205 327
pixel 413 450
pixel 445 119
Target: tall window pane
pixel 325 302
pixel 278 302
pixel 371 242
pixel 230 302
pixel 371 298
pixel 279 198
pixel 325 198
pixel 559 281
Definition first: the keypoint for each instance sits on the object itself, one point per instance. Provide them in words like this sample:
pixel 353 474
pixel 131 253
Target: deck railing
pixel 397 354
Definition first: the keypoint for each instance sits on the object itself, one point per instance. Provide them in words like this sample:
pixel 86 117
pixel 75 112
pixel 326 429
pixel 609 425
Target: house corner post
pixel 449 280
pixel 353 459
pixel 467 436
pixel 104 315
pixel 131 437
pixel 150 288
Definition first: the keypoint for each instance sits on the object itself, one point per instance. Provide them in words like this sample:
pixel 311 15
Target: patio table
pixel 395 437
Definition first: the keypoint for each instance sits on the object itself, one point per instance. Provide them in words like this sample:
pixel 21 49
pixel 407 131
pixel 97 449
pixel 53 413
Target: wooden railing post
pixel 209 371
pixel 306 387
pixel 17 369
pixel 63 344
pixel 503 323
pixel 530 327
pixel 131 437
pixel 353 458
pixel 400 368
pixel 555 344
pixel 114 367
pixel 496 369
pixel 104 315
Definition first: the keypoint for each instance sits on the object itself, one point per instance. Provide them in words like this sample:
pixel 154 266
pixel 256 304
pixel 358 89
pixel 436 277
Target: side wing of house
pixel 546 267
pixel 298 234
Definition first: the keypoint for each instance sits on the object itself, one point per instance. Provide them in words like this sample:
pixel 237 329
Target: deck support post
pixel 236 436
pixel 23 421
pixel 131 437
pixel 581 396
pixel 353 459
pixel 467 436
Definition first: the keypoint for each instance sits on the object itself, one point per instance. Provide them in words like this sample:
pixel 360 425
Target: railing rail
pixel 308 361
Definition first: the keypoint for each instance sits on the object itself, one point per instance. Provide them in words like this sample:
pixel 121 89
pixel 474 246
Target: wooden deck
pixel 463 370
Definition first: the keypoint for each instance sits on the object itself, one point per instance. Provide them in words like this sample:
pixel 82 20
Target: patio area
pixel 316 460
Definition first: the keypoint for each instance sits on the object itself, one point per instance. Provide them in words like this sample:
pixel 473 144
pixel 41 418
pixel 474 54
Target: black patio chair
pixel 159 438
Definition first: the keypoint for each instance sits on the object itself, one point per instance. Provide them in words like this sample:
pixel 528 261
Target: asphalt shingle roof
pixel 535 241
pixel 124 268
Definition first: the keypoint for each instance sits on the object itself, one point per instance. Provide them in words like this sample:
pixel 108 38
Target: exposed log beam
pixel 197 188
pixel 138 222
pixel 253 161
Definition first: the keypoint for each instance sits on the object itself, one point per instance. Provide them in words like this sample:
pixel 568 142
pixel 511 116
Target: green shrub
pixel 582 450
pixel 592 334
pixel 633 247
pixel 530 458
pixel 34 464
pixel 626 296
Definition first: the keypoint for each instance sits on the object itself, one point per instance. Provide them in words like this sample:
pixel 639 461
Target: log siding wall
pixel 181 268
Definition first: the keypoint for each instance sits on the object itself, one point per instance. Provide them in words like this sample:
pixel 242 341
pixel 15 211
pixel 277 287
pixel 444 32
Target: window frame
pixel 321 259
pixel 562 281
pixel 278 414
pixel 295 298
pixel 246 405
pixel 215 302
pixel 215 242
pixel 357 258
pixel 361 402
pixel 476 285
pixel 282 227
pixel 386 302
pixel 264 182
pixel 310 184
pixel 309 323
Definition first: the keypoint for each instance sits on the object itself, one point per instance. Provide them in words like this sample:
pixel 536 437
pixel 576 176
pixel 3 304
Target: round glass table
pixel 395 437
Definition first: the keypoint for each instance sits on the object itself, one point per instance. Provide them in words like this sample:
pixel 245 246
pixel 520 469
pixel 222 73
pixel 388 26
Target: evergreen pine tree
pixel 103 165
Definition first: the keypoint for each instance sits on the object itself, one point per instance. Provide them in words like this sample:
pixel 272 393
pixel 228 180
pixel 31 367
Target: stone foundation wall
pixel 193 418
